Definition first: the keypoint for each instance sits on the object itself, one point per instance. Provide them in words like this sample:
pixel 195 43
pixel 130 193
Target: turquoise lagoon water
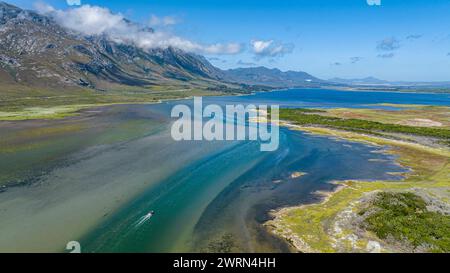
pixel 225 198
pixel 205 195
pixel 227 195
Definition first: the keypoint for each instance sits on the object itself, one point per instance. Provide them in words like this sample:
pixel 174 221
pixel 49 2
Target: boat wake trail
pixel 144 219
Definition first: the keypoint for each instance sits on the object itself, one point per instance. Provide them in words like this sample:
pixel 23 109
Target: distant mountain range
pixel 363 81
pixel 37 52
pixel 374 82
pixel 271 77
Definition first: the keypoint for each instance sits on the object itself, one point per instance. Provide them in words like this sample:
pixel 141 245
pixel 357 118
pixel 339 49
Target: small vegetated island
pixel 410 215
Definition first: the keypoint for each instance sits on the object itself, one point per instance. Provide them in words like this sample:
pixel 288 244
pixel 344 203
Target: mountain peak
pixel 6 5
pixel 10 12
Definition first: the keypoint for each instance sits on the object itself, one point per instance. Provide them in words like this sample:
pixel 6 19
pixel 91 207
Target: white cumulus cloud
pixel 95 20
pixel 162 21
pixel 269 48
pixel 73 2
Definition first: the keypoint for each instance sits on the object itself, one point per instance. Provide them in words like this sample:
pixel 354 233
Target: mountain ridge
pixel 373 81
pixel 38 52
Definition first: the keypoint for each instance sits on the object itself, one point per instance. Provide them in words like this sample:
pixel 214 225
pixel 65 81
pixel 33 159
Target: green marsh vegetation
pixel 22 103
pixel 314 117
pixel 405 217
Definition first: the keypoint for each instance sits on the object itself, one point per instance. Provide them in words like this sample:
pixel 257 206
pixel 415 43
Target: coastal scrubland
pixel 411 215
pixel 406 216
pixel 350 121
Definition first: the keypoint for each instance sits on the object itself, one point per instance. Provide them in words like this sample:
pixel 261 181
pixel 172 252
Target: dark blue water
pixel 326 98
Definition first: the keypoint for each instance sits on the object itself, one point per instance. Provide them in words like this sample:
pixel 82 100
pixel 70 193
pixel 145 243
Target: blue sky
pixel 399 40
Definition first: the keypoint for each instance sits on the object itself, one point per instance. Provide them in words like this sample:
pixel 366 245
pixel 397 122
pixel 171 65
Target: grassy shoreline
pixel 318 227
pixel 353 120
pixel 55 109
pixel 52 112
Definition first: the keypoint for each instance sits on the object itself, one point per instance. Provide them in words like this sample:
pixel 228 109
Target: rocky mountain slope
pixel 35 51
pixel 38 53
